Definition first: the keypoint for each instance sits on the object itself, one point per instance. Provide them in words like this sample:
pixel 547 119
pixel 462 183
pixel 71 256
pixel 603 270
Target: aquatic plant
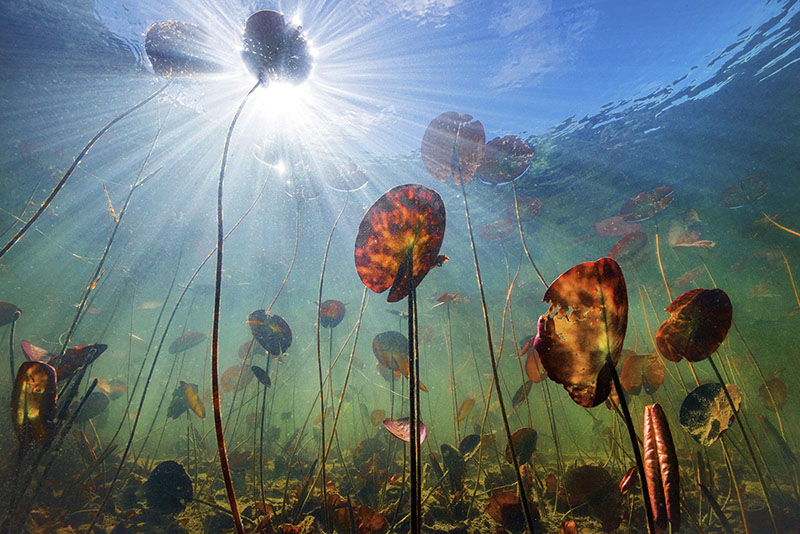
pixel 661 469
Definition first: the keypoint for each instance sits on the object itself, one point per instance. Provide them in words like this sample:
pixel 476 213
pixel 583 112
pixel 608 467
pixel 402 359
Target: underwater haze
pixel 441 266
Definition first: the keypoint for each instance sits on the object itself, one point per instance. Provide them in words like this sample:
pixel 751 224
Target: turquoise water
pixel 612 107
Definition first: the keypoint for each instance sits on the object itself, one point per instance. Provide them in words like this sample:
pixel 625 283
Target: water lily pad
pixel 521 394
pixel 524 441
pixel 698 323
pixel 168 488
pixel 270 331
pixel 350 177
pixel 706 412
pixel 528 207
pixel 497 230
pixel 533 364
pixel 33 403
pixel 504 160
pixel 177 49
pixel 95 405
pixel 641 371
pixel 661 469
pixel 615 226
pixel 464 408
pixel 456 467
pixel 469 444
pixel 581 335
pixel 506 509
pixel 186 342
pixel 401 429
pixel 745 191
pixel 261 375
pixel 453 146
pixel 274 50
pixel 772 394
pixel 8 313
pixel 331 313
pixel 646 204
pixel 628 247
pixel 408 219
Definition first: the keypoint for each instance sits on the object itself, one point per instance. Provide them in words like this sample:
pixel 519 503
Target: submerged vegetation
pixel 415 370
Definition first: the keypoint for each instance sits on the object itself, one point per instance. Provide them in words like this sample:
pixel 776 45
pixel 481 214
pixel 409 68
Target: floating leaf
pixel 581 336
pixel 270 331
pixel 464 408
pixel 273 50
pixel 706 412
pixel 186 342
pixel 661 469
pixel 528 207
pixel 177 48
pixel 261 375
pixel 406 219
pixel 33 403
pixel 401 429
pixel 641 370
pixel 230 378
pixel 645 204
pixel 698 323
pixel 628 247
pixel 497 230
pixel 9 313
pixel 452 147
pixel 628 480
pixel 504 160
pixel 350 178
pixel 168 488
pixel 524 441
pixel 331 313
pixel 745 191
pixel 533 364
pixel 521 394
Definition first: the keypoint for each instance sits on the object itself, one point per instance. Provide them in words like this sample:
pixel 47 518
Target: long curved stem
pixel 223 455
pixel 413 405
pixel 522 237
pixel 522 491
pixel 72 168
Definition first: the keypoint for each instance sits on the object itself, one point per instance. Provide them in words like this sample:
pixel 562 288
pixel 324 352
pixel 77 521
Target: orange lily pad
pixel 580 337
pixel 453 146
pixel 642 370
pixel 645 204
pixel 33 403
pixel 464 408
pixel 506 509
pixel 68 364
pixel 628 247
pixel 504 160
pixel 331 313
pixel 698 323
pixel 406 219
pixel 533 364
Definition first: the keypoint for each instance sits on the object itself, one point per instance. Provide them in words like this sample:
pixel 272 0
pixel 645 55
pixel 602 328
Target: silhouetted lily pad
pixel 455 466
pixel 331 313
pixel 521 394
pixel 469 444
pixel 504 160
pixel 273 50
pixel 33 403
pixel 177 48
pixel 185 397
pixel 706 412
pixel 453 147
pixel 8 313
pixel 94 406
pixel 406 219
pixel 401 429
pixel 270 331
pixel 581 335
pixel 464 408
pixel 645 204
pixel 168 488
pixel 186 342
pixel 592 487
pixel 261 375
pixel 698 323
pixel 524 441
pixel 506 509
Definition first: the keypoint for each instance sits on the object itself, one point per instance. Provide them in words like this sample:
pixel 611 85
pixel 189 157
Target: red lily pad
pixel 698 323
pixel 645 205
pixel 270 331
pixel 406 219
pixel 33 403
pixel 533 364
pixel 706 412
pixel 504 160
pixel 8 313
pixel 453 146
pixel 331 313
pixel 581 335
pixel 628 247
pixel 642 370
pixel 401 429
pixel 506 509
pixel 68 364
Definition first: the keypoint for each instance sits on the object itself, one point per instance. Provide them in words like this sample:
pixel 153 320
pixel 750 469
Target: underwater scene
pixel 394 266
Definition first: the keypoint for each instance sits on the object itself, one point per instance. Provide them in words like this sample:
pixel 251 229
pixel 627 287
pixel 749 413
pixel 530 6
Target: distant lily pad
pixel 270 331
pixel 33 403
pixel 646 204
pixel 706 412
pixel 331 313
pixel 504 160
pixel 453 147
pixel 186 342
pixel 8 313
pixel 401 429
pixel 698 323
pixel 524 441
